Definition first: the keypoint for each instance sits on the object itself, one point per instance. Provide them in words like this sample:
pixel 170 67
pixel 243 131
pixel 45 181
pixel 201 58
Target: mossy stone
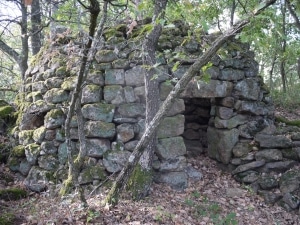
pixel 26 137
pixel 18 151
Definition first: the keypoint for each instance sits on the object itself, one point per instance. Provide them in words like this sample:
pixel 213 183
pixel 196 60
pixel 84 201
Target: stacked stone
pixel 230 115
pixel 113 107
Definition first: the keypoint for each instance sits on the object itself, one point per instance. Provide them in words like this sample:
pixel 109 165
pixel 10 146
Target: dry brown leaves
pixel 216 199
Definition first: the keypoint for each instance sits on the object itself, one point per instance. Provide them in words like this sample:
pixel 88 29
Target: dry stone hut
pixel 230 115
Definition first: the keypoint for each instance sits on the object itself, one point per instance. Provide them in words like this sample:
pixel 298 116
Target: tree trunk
pixel 271 72
pixel 283 48
pixel 142 177
pixel 126 172
pixel 36 21
pixel 75 166
pixel 298 68
pixel 23 61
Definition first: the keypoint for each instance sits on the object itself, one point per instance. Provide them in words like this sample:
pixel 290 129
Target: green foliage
pixel 289 100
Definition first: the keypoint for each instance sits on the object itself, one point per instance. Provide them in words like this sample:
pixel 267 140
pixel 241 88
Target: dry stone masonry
pixel 229 116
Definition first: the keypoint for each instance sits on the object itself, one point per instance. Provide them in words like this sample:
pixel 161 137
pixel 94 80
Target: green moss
pixel 54 113
pixel 26 135
pixel 7 218
pixel 287 122
pixel 139 181
pixel 18 151
pixel 5 111
pixel 12 194
pixel 13 163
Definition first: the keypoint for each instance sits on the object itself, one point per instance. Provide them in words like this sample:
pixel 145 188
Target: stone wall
pixel 230 116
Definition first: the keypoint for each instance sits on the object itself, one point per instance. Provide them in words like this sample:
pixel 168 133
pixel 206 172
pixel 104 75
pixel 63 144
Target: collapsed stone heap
pixel 231 115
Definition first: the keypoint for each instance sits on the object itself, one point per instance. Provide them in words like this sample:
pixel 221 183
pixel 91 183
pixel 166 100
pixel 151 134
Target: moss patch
pixel 18 151
pixel 12 194
pixel 5 111
pixel 139 182
pixel 287 122
pixel 7 218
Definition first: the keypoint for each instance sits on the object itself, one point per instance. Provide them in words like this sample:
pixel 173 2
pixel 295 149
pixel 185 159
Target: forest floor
pixel 215 199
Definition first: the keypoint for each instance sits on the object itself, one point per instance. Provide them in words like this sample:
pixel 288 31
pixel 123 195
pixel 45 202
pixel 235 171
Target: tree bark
pixel 139 185
pixel 271 72
pixel 121 181
pixel 36 21
pixel 283 48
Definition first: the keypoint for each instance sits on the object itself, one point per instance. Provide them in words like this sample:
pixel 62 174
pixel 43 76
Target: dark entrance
pixel 197 116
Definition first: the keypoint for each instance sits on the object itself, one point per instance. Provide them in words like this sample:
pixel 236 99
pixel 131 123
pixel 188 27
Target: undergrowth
pixel 288 100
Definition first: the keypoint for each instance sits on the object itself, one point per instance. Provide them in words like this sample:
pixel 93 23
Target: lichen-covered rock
pixel 104 56
pixel 114 161
pixel 48 162
pixel 268 183
pixel 248 89
pixel 114 77
pixel 32 151
pixel 25 167
pixel 256 108
pixel 39 134
pixel 221 143
pixel 53 82
pixel 175 164
pixel 241 149
pixel 99 129
pixel 37 179
pixel 269 155
pixel 69 83
pixel 26 137
pixel 99 112
pixel 135 76
pixel 48 148
pixel 39 86
pixel 248 166
pixel 56 95
pixel 273 141
pixel 91 173
pixel 229 74
pixel 289 181
pixel 224 112
pixel 201 89
pixel 177 180
pixel 129 94
pixel 97 147
pixel 54 119
pixel 91 94
pixel 132 110
pixel 125 132
pixel 171 127
pixel 39 106
pixel 232 122
pixel 279 167
pixel 170 148
pixel 95 77
pixel 177 107
pixel 114 94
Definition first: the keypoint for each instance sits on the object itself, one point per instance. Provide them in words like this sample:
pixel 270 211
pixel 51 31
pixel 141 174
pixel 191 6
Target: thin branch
pixel 293 13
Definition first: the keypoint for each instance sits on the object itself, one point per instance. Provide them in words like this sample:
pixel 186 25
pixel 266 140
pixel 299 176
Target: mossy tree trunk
pixel 126 172
pixel 75 104
pixel 141 179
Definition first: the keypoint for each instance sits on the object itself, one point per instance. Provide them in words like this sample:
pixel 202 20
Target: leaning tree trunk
pixel 126 172
pixel 142 177
pixel 283 47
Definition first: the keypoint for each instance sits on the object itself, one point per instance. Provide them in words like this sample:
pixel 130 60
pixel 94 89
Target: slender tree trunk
pixel 126 172
pixel 298 68
pixel 142 177
pixel 271 72
pixel 283 48
pixel 36 21
pixel 23 57
pixel 75 166
pixel 233 7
